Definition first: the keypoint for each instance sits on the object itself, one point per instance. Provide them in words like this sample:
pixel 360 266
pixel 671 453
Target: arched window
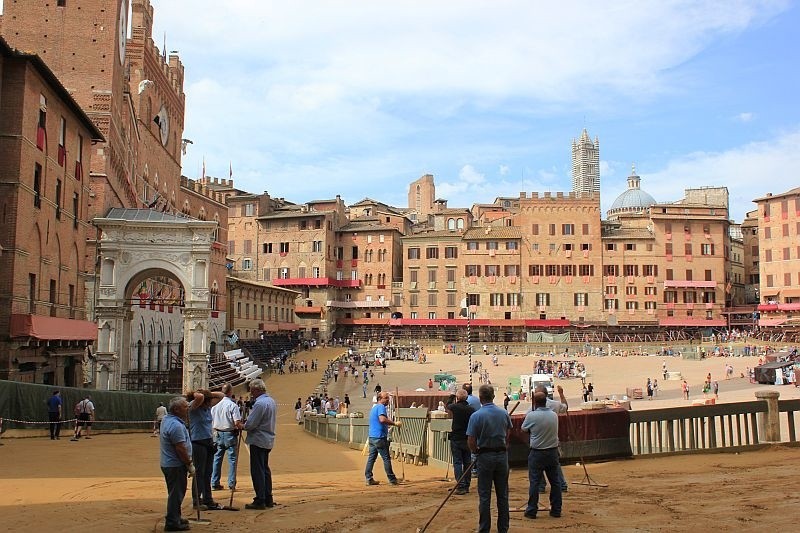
pixel 460 223
pixel 159 355
pixel 150 356
pixel 451 224
pixel 139 355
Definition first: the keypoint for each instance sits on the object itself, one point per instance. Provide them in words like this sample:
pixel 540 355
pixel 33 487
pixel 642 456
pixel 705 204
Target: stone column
pixel 195 349
pixel 769 425
pixel 113 350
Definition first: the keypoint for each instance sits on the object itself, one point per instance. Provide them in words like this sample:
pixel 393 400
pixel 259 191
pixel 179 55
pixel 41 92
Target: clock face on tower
pixel 163 125
pixel 122 30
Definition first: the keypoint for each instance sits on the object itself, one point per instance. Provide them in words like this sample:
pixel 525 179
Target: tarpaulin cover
pixel 545 337
pixel 28 401
pixel 52 328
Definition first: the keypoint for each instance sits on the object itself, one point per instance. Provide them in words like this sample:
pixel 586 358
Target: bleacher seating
pixel 232 367
pixel 271 351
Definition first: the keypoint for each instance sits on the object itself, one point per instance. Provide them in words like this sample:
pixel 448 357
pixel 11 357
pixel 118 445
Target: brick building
pixel 779 257
pixel 44 196
pixel 133 93
pixel 258 307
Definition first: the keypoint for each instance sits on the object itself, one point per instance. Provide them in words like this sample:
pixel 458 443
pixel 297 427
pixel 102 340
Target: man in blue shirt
pixel 54 408
pixel 542 424
pixel 260 427
pixel 487 436
pixel 379 423
pixel 462 411
pixel 176 461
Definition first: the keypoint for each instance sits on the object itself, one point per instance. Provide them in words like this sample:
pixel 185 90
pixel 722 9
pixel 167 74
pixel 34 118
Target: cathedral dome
pixel 632 200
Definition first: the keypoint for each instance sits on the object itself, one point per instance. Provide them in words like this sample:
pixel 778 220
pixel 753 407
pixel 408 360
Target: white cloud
pixel 504 170
pixel 749 171
pixel 745 117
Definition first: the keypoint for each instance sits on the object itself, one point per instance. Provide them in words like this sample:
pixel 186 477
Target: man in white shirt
pixel 226 420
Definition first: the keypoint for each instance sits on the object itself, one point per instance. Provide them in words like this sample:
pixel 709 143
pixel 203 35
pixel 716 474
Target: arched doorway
pixel 138 246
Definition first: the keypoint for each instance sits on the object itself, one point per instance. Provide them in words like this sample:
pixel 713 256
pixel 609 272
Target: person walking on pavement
pixel 54 412
pixel 488 432
pixel 543 457
pixel 379 423
pixel 227 422
pixel 260 427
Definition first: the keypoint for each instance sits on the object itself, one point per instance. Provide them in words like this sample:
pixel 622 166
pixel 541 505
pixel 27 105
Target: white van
pixel 530 381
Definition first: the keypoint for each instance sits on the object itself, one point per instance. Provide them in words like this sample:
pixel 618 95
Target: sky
pixel 310 99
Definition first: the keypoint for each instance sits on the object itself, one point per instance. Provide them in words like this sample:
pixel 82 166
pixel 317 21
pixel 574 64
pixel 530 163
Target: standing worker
pixel 487 436
pixel 201 402
pixel 462 411
pixel 260 427
pixel 557 406
pixel 227 422
pixel 54 413
pixel 379 423
pixel 161 412
pixel 542 424
pixel 176 461
pixel 84 410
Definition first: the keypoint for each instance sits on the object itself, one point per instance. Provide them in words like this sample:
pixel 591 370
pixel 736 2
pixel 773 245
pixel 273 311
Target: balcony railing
pixel 359 304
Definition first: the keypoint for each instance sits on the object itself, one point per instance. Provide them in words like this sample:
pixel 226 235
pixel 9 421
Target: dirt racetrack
pixel 113 482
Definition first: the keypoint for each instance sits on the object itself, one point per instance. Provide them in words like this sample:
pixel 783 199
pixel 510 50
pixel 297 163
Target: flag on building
pixel 203 176
pixel 230 170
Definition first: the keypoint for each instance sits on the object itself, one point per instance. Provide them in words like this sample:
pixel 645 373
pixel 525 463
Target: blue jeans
pixel 175 477
pixel 261 474
pixel 226 442
pixel 461 461
pixel 493 469
pixel 543 461
pixel 379 446
pixel 561 481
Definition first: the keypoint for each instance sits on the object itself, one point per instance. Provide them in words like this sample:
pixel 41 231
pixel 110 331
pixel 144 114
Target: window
pixel 542 298
pixel 247 264
pixel 568 270
pixel 432 301
pixel 472 270
pixel 511 270
pixel 611 246
pixel 611 289
pixel 492 270
pixel 586 246
pixel 650 305
pixel 474 299
pixel 669 274
pixel 535 270
pixel 688 275
pixel 53 296
pixel 61 3
pixel 249 210
pixel 451 275
pixel 630 247
pixel 354 252
pixel 431 275
pixel 496 299
pixel 689 297
pixel 708 275
pixel 450 252
pixel 75 207
pixel 551 229
pixel 650 270
pixel 650 291
pixel 631 270
pixel 630 290
pixel 767 233
pixel 611 270
pixel 265 248
pixel 316 246
pixel 535 229
pixel 586 270
pixel 248 246
pixel 451 224
pixel 472 245
pixel 631 305
pixel 451 299
pixel 567 229
pixel 770 280
pixel 413 275
pixel 284 248
pixel 581 299
pixel 42 123
pixel 58 199
pixel 512 245
pixel 611 303
pixel 551 270
pixel 37 186
pixel 303 224
pixel 413 253
pixel 266 274
pixel 687 248
pixel 491 245
pixel 432 252
pixel 767 255
pixel 585 229
pixel 514 299
pixel 62 142
pixel 670 297
pixel 786 255
pixel 668 248
pixel 707 249
pixel 283 273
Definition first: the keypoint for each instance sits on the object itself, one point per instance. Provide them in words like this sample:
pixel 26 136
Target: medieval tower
pixel 586 164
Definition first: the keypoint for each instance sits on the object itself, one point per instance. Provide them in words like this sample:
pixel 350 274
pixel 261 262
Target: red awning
pixel 789 307
pixel 771 321
pixel 692 322
pixel 52 328
pixel 692 284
